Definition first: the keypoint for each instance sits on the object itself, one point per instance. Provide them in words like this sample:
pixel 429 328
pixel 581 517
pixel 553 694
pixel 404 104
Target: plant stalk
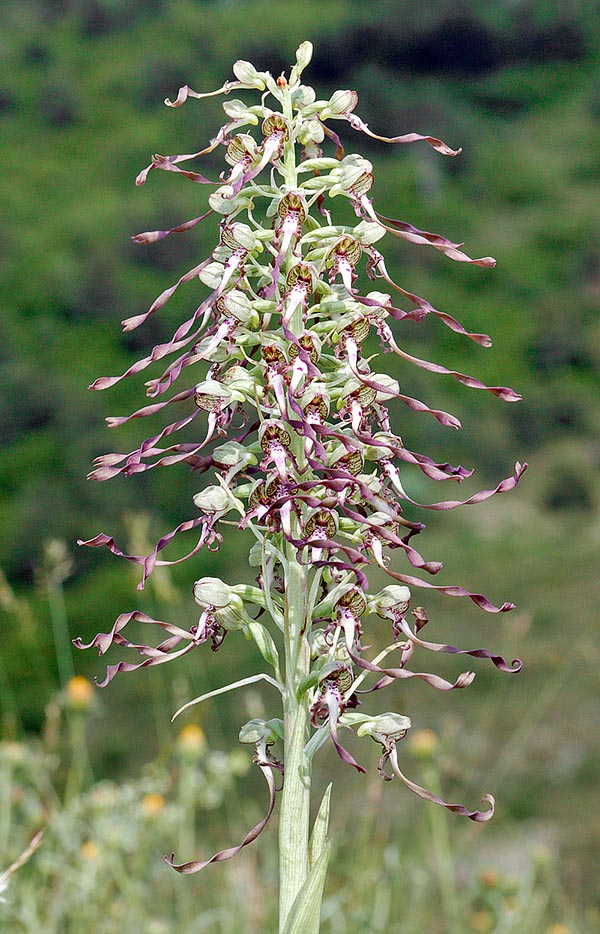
pixel 295 802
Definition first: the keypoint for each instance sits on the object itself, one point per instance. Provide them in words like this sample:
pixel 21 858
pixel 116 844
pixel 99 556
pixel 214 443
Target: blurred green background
pixel 517 85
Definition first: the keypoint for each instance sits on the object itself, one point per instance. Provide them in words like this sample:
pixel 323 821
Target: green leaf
pixel 265 644
pixel 310 681
pixel 318 838
pixel 305 913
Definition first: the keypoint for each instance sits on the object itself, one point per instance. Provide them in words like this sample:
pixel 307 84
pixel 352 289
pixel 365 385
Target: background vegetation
pixel 517 85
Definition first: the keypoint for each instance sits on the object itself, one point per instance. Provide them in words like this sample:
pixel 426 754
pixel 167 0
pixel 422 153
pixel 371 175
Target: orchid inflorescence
pixel 290 419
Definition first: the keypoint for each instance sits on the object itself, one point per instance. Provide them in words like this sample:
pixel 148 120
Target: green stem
pixel 295 802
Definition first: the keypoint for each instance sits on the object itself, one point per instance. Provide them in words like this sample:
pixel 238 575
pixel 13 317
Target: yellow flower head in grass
pixel 80 693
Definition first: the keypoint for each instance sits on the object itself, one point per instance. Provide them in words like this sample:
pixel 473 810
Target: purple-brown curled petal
pixel 152 236
pixel 392 674
pixel 504 486
pixel 168 164
pixel 103 640
pixel 414 235
pixel 99 540
pixel 424 307
pixel 497 660
pixel 503 392
pixel 478 816
pixel 361 578
pixel 182 96
pixel 357 124
pixel 159 658
pixel 444 418
pixel 196 865
pixel 452 591
pixel 417 561
pixel 333 708
pixel 343 753
pixel 333 136
pixel 143 175
pixel 117 421
pixel 129 324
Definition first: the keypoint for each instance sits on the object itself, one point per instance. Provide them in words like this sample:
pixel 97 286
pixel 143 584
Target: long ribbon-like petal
pixel 478 816
pixel 195 865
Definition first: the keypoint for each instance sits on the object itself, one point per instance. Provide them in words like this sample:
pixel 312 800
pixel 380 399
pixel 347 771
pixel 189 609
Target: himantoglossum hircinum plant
pixel 290 421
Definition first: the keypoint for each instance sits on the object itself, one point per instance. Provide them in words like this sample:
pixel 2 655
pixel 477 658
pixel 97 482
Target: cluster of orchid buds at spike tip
pixel 282 408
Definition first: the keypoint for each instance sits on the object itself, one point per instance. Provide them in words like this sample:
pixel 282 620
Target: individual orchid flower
pixel 284 413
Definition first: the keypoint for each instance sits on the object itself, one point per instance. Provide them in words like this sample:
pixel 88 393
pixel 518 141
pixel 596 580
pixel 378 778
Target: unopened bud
pixel 232 454
pixel 212 275
pixel 340 104
pixel 214 499
pixel 247 74
pixel 382 727
pixel 238 111
pixel 304 54
pixel 211 591
pixel 233 616
pixel 237 236
pixel 367 232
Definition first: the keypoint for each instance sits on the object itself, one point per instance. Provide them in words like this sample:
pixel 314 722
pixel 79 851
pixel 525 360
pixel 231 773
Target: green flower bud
pixel 356 390
pixel 212 275
pixel 211 591
pixel 347 176
pixel 238 380
pixel 303 96
pixel 367 233
pixel 383 300
pixel 233 454
pixel 340 104
pixel 310 131
pixel 247 74
pixel 239 111
pixel 224 201
pixel 376 453
pixel 320 647
pixel 207 350
pixel 241 235
pixel 255 555
pixel 303 57
pixel 233 616
pixel 214 499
